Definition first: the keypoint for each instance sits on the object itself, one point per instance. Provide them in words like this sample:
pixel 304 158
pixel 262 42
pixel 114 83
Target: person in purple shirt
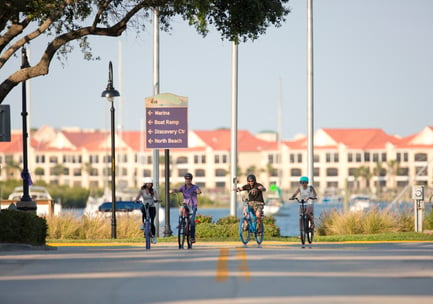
pixel 190 192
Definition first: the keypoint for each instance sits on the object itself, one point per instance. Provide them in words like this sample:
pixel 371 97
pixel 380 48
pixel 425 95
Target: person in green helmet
pixel 308 194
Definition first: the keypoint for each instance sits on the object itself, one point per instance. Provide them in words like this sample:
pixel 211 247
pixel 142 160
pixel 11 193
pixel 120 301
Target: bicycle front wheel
pixel 181 234
pixel 244 231
pixel 188 233
pixel 302 230
pixel 310 232
pixel 259 234
pixel 147 233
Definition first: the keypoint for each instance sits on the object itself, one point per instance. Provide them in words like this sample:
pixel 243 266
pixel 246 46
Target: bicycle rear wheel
pixel 147 233
pixel 302 230
pixel 244 231
pixel 259 236
pixel 181 234
pixel 310 232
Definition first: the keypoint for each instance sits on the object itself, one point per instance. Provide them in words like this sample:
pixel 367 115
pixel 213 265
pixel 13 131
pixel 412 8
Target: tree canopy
pixel 64 21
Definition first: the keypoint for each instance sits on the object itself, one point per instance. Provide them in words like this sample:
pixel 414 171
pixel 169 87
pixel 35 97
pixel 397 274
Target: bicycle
pixel 248 225
pixel 147 222
pixel 184 228
pixel 306 228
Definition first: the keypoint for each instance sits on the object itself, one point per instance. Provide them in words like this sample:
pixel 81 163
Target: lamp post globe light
pixel 110 92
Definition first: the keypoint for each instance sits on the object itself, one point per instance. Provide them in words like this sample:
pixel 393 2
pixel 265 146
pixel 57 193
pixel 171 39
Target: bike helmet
pixel 147 180
pixel 251 177
pixel 304 179
pixel 188 175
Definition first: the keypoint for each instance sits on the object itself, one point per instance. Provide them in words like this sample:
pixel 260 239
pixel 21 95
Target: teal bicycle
pixel 248 226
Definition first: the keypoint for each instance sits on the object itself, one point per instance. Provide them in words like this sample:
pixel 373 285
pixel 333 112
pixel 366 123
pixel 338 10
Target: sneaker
pixel 142 226
pixel 154 240
pixel 245 226
pixel 192 240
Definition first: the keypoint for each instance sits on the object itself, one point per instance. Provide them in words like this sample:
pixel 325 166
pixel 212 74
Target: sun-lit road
pixel 220 273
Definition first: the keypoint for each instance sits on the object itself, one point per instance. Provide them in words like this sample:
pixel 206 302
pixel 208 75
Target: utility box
pixel 418 192
pixel 5 123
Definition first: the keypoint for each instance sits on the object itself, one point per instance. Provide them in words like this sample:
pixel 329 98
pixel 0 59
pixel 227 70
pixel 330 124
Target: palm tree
pixel 364 173
pixel 39 172
pixel 11 168
pixel 377 172
pixel 393 166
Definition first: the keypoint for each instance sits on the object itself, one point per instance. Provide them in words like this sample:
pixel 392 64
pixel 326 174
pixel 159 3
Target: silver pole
pixel 156 92
pixel 234 129
pixel 310 92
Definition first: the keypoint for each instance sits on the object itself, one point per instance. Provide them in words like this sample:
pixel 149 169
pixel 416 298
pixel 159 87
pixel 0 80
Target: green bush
pixel 228 228
pixel 22 227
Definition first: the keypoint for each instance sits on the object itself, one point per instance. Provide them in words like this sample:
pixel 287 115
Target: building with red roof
pixel 359 159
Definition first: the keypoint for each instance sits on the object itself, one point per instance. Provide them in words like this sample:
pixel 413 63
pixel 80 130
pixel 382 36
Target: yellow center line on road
pixel 243 267
pixel 222 266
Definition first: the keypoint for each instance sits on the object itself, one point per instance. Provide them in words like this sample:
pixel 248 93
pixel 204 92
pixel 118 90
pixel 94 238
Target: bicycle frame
pixel 306 232
pixel 184 230
pixel 147 223
pixel 249 217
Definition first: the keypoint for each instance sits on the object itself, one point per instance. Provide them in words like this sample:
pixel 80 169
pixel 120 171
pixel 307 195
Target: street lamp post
pixel 110 92
pixel 26 202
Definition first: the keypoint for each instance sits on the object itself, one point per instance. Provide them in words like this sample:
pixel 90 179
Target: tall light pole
pixel 26 202
pixel 110 92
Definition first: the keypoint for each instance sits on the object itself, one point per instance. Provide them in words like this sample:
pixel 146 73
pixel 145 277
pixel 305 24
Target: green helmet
pixel 304 179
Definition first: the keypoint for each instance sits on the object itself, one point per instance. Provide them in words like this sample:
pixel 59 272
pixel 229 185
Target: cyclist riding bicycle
pixel 190 192
pixel 255 196
pixel 149 196
pixel 308 194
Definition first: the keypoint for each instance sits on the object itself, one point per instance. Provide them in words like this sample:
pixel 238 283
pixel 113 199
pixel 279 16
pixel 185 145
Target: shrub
pixel 22 227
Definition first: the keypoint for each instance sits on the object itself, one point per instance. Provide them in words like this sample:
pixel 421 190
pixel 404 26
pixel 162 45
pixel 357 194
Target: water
pixel 286 219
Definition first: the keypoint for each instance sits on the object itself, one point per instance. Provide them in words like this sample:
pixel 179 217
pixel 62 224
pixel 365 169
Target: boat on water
pixel 125 204
pixel 359 202
pixel 45 204
pixel 272 205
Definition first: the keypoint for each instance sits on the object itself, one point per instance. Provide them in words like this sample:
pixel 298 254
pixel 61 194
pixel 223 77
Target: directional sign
pixel 166 121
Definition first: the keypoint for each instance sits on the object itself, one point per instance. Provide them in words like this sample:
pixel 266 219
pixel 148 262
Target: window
pixel 403 171
pixel 40 158
pixel 420 157
pixel 77 172
pixel 421 171
pixel 358 157
pixel 367 156
pixel 145 173
pixel 273 158
pixel 350 157
pixel 316 171
pixel 316 158
pixel 220 172
pixel 93 159
pixel 331 172
pixel 53 160
pixel 384 157
pixel 352 171
pixel 93 172
pixel 182 172
pixel 402 157
pixel 199 159
pixel 295 172
pixel 200 172
pixel 375 157
pixel 182 160
pixel 220 184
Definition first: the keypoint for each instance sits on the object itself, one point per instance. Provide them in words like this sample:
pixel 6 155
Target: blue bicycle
pixel 248 226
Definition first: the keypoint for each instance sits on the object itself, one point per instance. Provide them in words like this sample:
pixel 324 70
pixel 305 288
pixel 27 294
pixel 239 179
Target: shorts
pixel 257 206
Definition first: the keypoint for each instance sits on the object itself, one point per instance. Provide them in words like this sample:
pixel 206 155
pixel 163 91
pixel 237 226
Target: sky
pixel 373 68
